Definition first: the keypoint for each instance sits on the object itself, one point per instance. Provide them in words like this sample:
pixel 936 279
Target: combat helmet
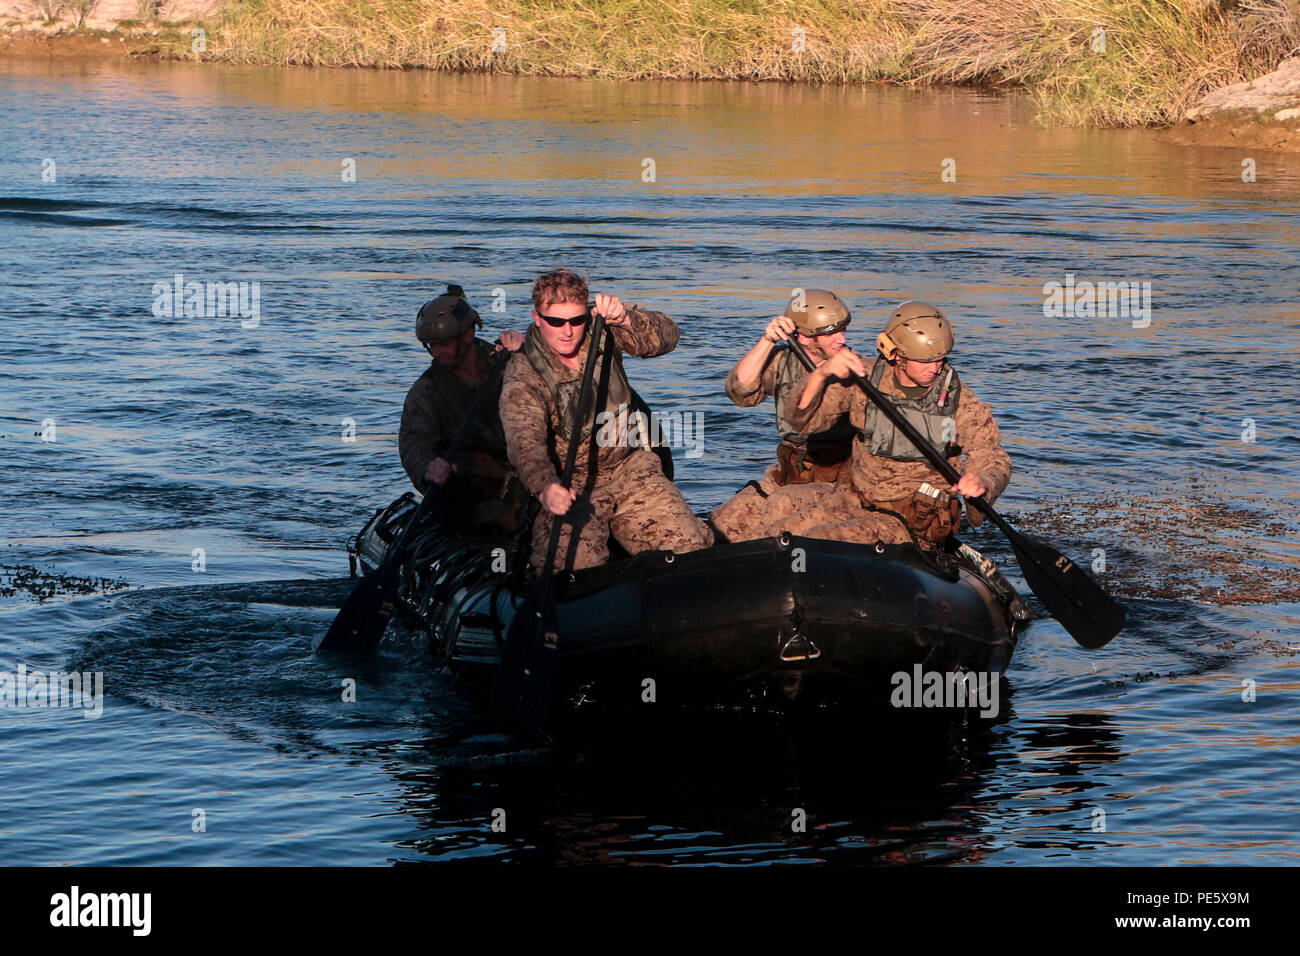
pixel 823 312
pixel 917 331
pixel 445 317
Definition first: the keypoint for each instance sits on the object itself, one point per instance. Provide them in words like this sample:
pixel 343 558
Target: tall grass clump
pixel 1105 62
pixel 625 39
pixel 1150 61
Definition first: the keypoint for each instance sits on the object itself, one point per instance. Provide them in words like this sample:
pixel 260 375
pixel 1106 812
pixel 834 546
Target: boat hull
pixel 783 624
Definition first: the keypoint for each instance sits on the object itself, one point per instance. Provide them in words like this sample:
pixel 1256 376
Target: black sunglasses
pixel 577 320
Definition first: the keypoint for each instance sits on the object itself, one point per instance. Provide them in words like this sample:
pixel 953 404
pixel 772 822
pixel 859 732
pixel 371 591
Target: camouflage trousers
pixel 635 504
pixel 771 508
pixel 841 517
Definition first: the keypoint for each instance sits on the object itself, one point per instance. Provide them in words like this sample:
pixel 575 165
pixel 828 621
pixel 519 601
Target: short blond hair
pixel 559 285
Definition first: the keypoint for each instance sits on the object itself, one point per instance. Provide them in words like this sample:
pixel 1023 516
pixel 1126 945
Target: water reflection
pixel 717 790
pixel 198 434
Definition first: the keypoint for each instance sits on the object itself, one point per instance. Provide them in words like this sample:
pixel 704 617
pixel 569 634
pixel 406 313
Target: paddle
pixel 1087 612
pixel 523 681
pixel 364 616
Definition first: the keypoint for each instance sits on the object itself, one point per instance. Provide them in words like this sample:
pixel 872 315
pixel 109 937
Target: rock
pixel 1279 90
pixel 106 14
pixel 1261 114
pixel 189 9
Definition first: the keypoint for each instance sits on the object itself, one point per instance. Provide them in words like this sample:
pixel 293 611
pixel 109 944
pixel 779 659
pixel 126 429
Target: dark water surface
pixel 177 433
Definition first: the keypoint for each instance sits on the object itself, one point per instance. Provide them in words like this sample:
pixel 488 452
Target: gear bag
pixel 931 515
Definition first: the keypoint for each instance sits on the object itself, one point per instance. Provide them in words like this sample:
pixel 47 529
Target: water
pixel 175 434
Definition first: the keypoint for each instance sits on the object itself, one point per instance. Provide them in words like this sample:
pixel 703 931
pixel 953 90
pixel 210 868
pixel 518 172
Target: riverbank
pixel 1242 129
pixel 162 42
pixel 1261 114
pixel 82 28
pixel 1084 62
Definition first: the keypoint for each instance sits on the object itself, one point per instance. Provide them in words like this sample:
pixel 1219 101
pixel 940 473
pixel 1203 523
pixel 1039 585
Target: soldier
pixel 894 495
pixel 481 494
pixel 626 493
pixel 807 464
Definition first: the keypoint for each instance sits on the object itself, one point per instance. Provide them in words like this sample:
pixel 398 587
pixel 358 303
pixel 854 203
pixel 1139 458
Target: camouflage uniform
pixel 772 506
pixel 844 515
pixel 476 497
pixel 625 489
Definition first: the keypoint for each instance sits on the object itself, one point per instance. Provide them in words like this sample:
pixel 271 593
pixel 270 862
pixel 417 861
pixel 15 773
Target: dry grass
pixel 1154 59
pixel 625 39
pixel 1159 56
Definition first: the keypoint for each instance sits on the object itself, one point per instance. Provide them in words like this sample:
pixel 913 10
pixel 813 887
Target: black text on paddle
pixel 1089 614
pixel 364 616
pixel 523 681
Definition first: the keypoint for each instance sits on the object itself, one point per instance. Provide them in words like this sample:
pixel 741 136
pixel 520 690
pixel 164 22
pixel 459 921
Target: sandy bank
pixel 1262 113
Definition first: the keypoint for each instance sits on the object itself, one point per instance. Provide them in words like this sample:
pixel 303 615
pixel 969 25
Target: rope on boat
pixel 439 565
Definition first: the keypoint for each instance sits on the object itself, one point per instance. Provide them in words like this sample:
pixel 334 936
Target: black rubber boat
pixel 780 624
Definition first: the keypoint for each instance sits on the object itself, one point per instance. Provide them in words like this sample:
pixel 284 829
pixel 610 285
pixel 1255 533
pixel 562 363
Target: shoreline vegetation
pixel 1083 62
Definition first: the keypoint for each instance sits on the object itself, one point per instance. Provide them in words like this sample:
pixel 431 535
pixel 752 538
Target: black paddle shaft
pixel 902 424
pixel 523 682
pixel 571 453
pixel 364 616
pixel 1078 602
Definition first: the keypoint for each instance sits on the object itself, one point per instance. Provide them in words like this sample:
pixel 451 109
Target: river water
pixel 182 533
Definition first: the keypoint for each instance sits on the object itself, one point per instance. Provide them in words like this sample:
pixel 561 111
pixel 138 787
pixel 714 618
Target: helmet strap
pixel 809 342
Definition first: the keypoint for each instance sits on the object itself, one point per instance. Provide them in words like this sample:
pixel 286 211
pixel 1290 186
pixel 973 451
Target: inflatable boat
pixel 779 624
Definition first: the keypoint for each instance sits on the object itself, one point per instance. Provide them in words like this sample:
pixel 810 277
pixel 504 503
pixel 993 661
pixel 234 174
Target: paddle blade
pixel 1089 614
pixel 363 618
pixel 522 688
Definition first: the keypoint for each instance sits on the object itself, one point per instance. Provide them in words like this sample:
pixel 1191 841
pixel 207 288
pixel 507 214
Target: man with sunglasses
pixel 894 495
pixel 481 494
pixel 622 486
pixel 807 464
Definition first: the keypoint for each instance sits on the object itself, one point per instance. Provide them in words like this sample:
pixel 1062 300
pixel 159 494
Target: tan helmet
pixel 445 317
pixel 916 331
pixel 823 312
